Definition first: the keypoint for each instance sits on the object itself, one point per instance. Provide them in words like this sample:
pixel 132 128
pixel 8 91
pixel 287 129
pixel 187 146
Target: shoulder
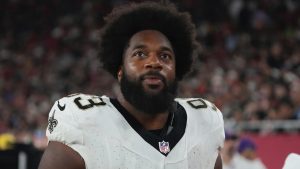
pixel 78 103
pixel 71 114
pixel 196 103
pixel 81 101
pixel 202 112
pixel 80 107
pixel 199 106
pixel 204 122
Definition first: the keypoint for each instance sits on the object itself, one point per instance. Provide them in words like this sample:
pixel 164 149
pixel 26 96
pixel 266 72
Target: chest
pixel 112 142
pixel 127 149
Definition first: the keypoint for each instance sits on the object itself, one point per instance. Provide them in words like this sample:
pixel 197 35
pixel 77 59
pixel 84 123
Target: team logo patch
pixel 52 123
pixel 164 147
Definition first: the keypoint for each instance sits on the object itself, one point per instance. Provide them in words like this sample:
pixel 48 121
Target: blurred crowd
pixel 248 60
pixel 240 153
pixel 249 63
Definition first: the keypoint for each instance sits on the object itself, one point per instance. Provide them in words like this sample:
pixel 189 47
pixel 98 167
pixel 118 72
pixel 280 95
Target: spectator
pixel 247 158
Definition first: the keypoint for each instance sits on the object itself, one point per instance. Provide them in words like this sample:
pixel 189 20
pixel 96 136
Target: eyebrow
pixel 163 48
pixel 167 49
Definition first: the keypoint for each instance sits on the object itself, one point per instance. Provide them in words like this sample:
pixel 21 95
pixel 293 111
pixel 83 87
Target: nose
pixel 153 62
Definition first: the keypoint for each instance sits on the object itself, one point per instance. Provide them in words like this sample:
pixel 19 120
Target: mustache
pixel 153 73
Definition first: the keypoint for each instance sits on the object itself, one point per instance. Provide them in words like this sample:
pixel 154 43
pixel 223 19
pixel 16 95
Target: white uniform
pixel 94 127
pixel 292 161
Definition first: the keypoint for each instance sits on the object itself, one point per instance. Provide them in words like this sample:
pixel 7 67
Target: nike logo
pixel 61 108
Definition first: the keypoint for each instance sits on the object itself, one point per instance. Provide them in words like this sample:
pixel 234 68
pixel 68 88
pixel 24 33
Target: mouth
pixel 153 80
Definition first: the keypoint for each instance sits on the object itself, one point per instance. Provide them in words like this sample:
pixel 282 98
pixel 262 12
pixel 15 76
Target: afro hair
pixel 123 22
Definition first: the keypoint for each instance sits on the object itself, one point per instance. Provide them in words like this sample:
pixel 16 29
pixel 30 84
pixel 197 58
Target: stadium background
pixel 248 65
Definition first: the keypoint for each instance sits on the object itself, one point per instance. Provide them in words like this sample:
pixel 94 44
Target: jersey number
pixel 199 103
pixel 94 101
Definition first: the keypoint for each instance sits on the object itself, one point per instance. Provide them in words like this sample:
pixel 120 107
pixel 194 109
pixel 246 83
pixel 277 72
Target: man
pixel 148 47
pixel 247 157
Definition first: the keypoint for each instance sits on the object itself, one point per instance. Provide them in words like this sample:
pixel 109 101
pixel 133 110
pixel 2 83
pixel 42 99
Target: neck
pixel 149 122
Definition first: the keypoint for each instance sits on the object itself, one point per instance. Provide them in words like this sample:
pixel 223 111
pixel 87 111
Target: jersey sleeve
pixel 69 122
pixel 216 123
pixel 207 118
pixel 62 125
pixel 218 131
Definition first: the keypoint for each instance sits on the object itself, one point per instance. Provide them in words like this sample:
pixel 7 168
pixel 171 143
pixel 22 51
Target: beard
pixel 149 103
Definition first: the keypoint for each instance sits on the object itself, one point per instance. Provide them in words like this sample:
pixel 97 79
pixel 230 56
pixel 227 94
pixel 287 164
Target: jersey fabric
pixel 108 137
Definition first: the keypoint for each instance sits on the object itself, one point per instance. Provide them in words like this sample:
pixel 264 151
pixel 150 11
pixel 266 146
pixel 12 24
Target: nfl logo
pixel 164 147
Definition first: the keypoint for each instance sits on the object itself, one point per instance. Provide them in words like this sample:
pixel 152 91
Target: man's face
pixel 148 74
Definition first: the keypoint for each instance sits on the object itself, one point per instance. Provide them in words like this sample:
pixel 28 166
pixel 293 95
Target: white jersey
pixel 292 161
pixel 239 161
pixel 108 138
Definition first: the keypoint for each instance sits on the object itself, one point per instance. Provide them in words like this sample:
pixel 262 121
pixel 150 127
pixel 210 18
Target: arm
pixel 59 156
pixel 218 164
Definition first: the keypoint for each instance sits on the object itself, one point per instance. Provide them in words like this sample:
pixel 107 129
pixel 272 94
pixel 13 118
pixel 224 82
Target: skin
pixel 148 50
pixel 59 156
pixel 249 154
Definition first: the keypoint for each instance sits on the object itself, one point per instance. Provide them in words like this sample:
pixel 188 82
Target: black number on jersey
pixel 94 101
pixel 197 103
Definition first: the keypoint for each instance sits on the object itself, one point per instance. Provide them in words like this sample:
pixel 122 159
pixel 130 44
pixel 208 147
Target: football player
pixel 148 47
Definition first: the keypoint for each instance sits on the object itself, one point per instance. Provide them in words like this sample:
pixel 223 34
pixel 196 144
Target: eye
pixel 166 56
pixel 139 54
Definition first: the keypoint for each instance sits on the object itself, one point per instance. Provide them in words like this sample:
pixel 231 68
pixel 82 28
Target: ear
pixel 120 73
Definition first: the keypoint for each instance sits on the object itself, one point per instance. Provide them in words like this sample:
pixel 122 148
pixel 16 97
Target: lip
pixel 152 80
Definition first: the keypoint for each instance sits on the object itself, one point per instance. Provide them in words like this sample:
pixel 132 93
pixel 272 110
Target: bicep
pixel 218 164
pixel 59 156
